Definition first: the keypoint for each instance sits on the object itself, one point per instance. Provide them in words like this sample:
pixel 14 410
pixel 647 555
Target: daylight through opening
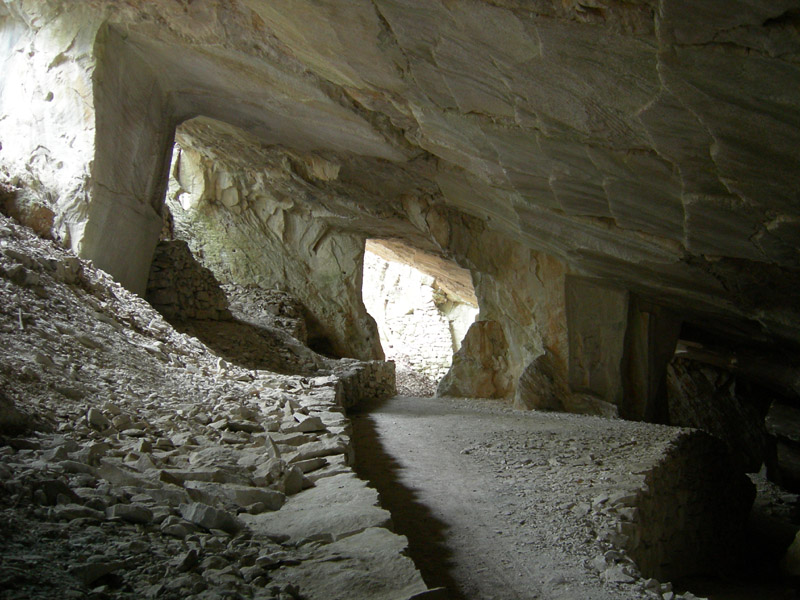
pixel 423 306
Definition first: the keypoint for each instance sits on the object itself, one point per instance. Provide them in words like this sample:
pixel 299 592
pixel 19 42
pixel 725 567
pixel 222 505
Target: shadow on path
pixel 425 533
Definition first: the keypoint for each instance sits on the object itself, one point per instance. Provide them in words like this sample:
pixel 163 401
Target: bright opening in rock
pixel 423 306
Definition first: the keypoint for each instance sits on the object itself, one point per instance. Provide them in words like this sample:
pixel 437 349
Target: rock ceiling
pixel 654 143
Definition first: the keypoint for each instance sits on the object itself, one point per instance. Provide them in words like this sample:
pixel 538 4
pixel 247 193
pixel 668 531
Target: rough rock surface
pixel 268 308
pixel 707 398
pixel 251 233
pixel 782 423
pixel 153 458
pixel 479 368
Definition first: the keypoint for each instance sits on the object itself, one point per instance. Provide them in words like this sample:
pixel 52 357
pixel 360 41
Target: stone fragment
pixel 133 513
pixel 186 561
pixel 76 511
pixel 293 481
pixel 245 426
pixel 311 464
pixel 307 424
pixel 97 420
pixel 617 574
pixel 337 507
pixel 209 517
pixel 90 572
pixel 119 474
pixel 55 491
pixel 177 527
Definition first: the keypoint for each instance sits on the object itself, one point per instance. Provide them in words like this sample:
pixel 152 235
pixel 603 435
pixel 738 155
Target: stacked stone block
pixel 180 288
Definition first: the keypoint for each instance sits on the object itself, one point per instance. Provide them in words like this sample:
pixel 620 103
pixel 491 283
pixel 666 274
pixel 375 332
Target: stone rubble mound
pixel 135 463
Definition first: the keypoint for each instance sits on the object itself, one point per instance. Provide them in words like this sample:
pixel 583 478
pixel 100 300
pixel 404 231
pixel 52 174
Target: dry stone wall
pixel 360 382
pixel 180 288
pixel 690 507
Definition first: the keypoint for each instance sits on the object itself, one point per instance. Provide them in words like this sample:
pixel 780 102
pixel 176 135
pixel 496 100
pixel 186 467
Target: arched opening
pixel 423 306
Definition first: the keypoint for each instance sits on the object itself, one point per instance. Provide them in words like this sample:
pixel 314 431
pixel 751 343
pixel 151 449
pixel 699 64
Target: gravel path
pixel 504 504
pixel 489 510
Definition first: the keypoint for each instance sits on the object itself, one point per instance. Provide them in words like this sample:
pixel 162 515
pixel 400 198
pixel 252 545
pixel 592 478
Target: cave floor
pixel 499 503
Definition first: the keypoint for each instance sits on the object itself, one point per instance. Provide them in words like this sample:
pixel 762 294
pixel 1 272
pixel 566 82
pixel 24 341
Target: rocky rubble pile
pixel 141 465
pixel 181 288
pixel 412 383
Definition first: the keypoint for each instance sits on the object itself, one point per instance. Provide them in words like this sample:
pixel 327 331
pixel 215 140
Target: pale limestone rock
pixel 210 517
pixel 363 565
pixel 337 507
pixel 479 369
pixel 133 513
pixel 655 149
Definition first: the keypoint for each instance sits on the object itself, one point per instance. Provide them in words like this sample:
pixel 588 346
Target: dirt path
pixel 461 482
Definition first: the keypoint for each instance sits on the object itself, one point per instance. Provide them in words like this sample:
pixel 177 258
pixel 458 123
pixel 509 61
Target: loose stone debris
pixel 135 463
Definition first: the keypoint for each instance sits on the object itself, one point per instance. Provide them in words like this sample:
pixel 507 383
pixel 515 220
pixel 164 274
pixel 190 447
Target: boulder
pixel 541 385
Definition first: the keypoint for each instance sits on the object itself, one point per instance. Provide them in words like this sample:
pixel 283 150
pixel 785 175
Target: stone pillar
pixel 133 146
pixel 619 347
pixel 597 320
pixel 651 339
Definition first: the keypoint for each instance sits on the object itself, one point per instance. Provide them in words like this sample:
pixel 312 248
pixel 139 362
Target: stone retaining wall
pixel 688 513
pixel 181 288
pixel 364 381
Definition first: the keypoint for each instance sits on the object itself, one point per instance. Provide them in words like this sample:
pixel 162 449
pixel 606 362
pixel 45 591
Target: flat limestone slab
pixel 366 565
pixel 337 507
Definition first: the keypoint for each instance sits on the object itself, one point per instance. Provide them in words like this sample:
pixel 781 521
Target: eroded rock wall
pixel 656 152
pixel 47 109
pixel 249 233
pixel 516 287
